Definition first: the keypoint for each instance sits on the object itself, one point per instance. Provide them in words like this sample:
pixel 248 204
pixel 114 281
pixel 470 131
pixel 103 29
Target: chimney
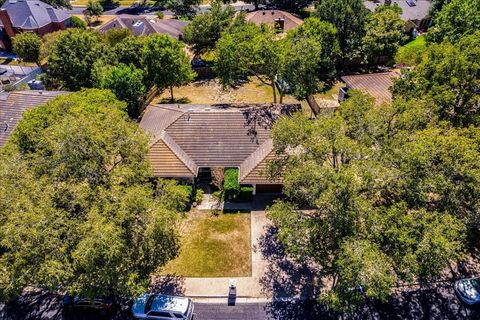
pixel 388 2
pixel 7 23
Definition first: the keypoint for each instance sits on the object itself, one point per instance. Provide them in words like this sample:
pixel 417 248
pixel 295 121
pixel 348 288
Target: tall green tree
pixel 127 84
pixel 349 17
pixel 166 62
pixel 451 22
pixel 249 50
pixel 94 10
pixel 128 51
pixel 385 32
pixel 448 79
pixel 368 225
pixel 115 36
pixel 289 5
pixel 27 46
pixel 180 8
pixel 71 56
pixel 78 209
pixel 205 29
pixel 309 64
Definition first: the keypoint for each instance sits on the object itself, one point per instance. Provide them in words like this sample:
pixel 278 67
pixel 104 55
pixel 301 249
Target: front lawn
pixel 213 246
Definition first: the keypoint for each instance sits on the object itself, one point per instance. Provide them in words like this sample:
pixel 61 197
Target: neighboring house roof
pixel 187 137
pixel 13 104
pixel 270 16
pixel 143 26
pixel 375 84
pixel 417 12
pixel 33 14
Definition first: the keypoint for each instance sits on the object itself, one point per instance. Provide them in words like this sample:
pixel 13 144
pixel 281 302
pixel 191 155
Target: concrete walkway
pixel 248 288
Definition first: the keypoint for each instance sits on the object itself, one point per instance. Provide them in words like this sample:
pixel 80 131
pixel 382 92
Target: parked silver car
pixel 162 307
pixel 468 291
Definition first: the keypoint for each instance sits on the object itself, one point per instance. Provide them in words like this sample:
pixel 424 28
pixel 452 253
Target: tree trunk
pixel 274 92
pixel 171 94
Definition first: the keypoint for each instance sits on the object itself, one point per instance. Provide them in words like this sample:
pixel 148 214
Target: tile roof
pixel 375 84
pixel 269 17
pixel 143 26
pixel 33 14
pixel 418 12
pixel 12 106
pixel 208 136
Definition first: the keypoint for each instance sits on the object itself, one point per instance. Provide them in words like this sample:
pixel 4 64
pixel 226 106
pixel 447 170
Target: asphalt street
pixel 151 10
pixel 244 311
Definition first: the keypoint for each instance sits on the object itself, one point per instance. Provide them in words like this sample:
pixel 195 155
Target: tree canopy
pixel 166 62
pixel 385 32
pixel 391 196
pixel 302 62
pixel 448 79
pixel 205 29
pixel 78 207
pixel 72 55
pixel 27 46
pixel 126 82
pixel 456 19
pixel 349 18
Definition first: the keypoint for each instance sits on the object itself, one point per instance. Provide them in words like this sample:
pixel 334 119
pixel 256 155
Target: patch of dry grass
pixel 211 92
pixel 213 246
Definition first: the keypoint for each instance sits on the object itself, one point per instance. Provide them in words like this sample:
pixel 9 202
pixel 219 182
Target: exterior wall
pixel 52 27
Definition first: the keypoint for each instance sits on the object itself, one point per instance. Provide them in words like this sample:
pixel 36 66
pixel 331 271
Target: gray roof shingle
pixel 418 12
pixel 33 14
pixel 13 104
pixel 144 26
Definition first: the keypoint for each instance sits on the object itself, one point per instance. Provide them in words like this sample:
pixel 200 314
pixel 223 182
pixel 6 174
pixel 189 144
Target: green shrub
pixel 78 23
pixel 160 15
pixel 231 186
pixel 189 189
pixel 199 196
pixel 411 54
pixel 246 194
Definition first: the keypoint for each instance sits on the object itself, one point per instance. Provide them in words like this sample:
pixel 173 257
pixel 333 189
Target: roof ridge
pixel 181 155
pixel 254 159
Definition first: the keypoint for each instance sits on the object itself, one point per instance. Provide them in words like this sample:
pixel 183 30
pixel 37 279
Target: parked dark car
pixel 104 304
pixel 468 291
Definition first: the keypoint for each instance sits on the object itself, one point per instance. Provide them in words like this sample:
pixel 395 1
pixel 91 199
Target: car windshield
pixel 476 284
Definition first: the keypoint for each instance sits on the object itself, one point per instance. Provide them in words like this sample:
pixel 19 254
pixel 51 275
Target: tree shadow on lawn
pixel 35 304
pixel 285 278
pixel 183 100
pixel 170 284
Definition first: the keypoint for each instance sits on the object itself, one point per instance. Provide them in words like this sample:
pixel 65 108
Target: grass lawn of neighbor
pixel 419 42
pixel 213 246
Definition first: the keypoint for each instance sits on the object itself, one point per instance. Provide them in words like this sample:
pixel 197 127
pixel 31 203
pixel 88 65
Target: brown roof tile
pixel 375 84
pixel 208 136
pixel 269 16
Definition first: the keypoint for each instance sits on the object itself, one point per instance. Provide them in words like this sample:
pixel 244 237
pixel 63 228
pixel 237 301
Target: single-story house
pixel 281 20
pixel 29 16
pixel 13 104
pixel 415 12
pixel 377 85
pixel 144 26
pixel 190 140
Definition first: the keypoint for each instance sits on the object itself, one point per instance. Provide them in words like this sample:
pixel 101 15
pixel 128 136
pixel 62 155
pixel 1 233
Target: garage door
pixel 269 188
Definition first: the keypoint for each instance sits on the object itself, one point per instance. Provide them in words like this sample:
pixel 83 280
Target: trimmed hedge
pixel 231 187
pixel 246 194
